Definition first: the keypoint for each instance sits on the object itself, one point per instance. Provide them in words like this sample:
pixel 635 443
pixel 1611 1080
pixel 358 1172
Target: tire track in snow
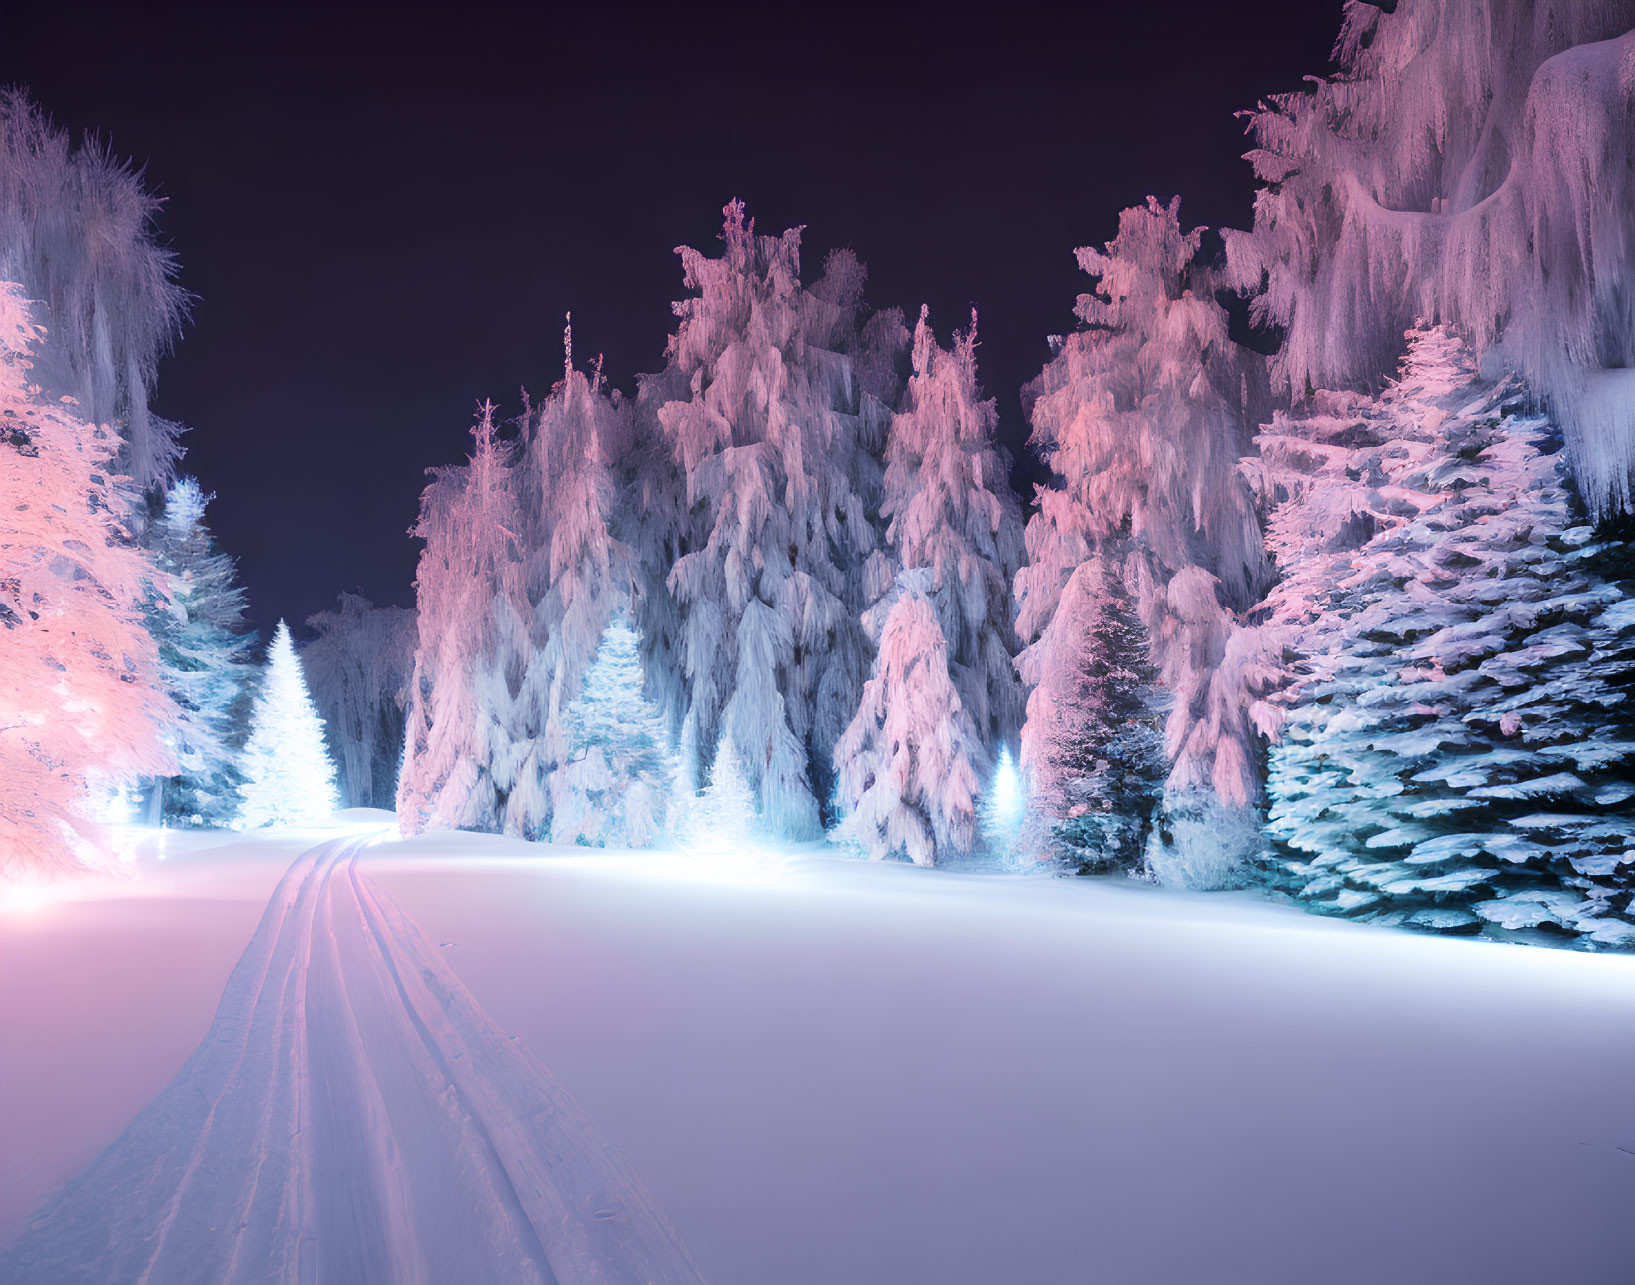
pixel 353 1116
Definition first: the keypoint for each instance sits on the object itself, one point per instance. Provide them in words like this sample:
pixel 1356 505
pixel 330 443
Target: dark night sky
pixel 385 212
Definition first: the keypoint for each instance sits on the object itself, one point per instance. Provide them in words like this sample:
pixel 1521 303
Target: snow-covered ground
pixel 825 1071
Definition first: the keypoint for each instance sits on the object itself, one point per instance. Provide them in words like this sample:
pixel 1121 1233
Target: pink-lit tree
pixel 459 760
pixel 951 510
pixel 80 696
pixel 907 761
pixel 579 576
pixel 765 423
pixel 1142 418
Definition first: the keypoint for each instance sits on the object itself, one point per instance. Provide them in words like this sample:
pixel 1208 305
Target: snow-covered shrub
pixel 204 641
pixel 359 667
pixel 288 776
pixel 1199 843
pixel 80 694
pixel 1470 161
pixel 908 761
pixel 1459 745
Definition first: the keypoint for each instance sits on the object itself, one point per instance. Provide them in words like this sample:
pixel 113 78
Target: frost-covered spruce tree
pixel 1458 750
pixel 77 233
pixel 1141 417
pixel 951 510
pixel 907 762
pixel 80 693
pixel 1095 756
pixel 619 775
pixel 769 433
pixel 459 752
pixel 197 619
pixel 579 576
pixel 359 667
pixel 1469 161
pixel 721 819
pixel 288 776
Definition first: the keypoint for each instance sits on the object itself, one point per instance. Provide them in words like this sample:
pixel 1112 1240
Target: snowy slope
pixel 829 1071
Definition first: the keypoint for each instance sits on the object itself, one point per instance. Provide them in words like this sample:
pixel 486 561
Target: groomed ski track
pixel 352 1117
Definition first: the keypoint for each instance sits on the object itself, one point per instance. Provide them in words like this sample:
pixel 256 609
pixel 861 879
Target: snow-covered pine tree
pixel 906 762
pixel 1459 744
pixel 1469 160
pixel 1095 755
pixel 204 642
pixel 459 758
pixel 579 577
pixel 80 696
pixel 1002 815
pixel 77 232
pixel 951 510
pixel 288 776
pixel 770 429
pixel 359 668
pixel 1142 417
pixel 721 819
pixel 616 783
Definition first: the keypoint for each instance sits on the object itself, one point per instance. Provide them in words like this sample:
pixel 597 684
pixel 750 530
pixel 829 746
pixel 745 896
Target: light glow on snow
pixel 1009 800
pixel 24 898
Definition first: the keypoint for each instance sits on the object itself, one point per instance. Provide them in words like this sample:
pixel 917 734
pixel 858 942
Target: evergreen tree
pixel 951 510
pixel 616 782
pixel 460 758
pixel 1458 746
pixel 906 761
pixel 1468 160
pixel 359 667
pixel 772 434
pixel 77 232
pixel 1142 417
pixel 1003 814
pixel 80 695
pixel 1096 756
pixel 721 819
pixel 204 643
pixel 579 577
pixel 288 776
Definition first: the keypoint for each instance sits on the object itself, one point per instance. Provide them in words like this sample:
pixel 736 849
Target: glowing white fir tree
pixel 288 776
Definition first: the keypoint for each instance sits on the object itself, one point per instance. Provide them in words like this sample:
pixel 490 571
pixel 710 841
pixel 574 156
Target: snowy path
pixel 353 1116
